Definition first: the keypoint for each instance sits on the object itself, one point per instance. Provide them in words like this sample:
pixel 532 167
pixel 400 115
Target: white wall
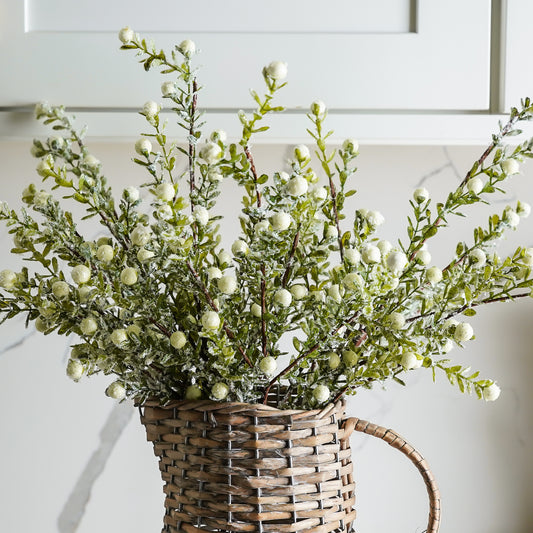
pixel 67 450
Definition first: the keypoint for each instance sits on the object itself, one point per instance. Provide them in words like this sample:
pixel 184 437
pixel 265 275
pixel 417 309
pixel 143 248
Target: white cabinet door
pixel 518 81
pixel 353 54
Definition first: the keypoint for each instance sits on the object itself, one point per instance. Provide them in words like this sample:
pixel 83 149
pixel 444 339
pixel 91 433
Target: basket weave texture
pixel 233 467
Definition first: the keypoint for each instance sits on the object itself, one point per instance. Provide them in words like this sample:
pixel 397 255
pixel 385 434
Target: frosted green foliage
pixel 162 307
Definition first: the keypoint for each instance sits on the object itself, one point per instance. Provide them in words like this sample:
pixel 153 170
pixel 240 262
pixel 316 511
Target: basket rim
pixel 230 407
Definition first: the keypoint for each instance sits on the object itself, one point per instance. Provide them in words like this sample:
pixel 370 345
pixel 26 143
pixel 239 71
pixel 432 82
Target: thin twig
pixel 333 190
pixel 505 131
pixel 250 159
pixel 192 149
pixel 263 311
pixel 198 280
pixel 111 229
pixel 161 328
pixel 475 304
pixel 213 306
pixel 336 214
pixel 348 386
pixel 342 392
pixel 288 368
pixel 81 145
pixel 254 174
pixel 308 352
pixel 290 260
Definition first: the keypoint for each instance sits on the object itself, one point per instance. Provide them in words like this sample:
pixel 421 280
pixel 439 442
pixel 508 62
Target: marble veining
pixel 74 509
pixel 438 170
pixel 19 342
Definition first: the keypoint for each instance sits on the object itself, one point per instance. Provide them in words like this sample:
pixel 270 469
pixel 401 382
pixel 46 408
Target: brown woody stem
pixel 307 353
pixel 263 311
pixel 109 226
pixel 161 328
pixel 348 386
pixel 213 306
pixel 287 369
pixel 290 260
pixel 506 129
pixel 192 149
pixel 254 174
pixel 336 214
pixel 264 350
pixel 476 304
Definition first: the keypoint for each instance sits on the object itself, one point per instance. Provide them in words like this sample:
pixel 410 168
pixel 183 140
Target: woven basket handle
pixel 396 441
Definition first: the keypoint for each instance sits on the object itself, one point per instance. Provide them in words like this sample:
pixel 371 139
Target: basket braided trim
pixel 232 467
pixel 397 441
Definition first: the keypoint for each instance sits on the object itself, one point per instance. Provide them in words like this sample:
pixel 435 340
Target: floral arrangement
pixel 159 304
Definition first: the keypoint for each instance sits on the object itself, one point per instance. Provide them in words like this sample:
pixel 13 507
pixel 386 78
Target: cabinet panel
pixel 230 16
pixel 443 65
pixel 518 81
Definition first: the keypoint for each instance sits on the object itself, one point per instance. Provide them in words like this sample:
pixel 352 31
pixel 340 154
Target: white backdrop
pixel 71 460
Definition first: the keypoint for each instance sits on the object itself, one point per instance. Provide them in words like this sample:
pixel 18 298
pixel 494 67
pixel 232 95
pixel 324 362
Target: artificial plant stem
pixel 490 300
pixel 495 143
pixel 161 328
pixel 192 147
pixel 264 349
pixel 263 312
pixel 505 131
pixel 324 160
pixel 231 336
pixel 110 224
pixel 165 153
pixel 203 288
pixel 288 368
pixel 250 159
pixel 349 386
pixel 468 251
pixel 335 211
pixel 309 351
pixel 290 259
pixel 111 228
pixel 342 392
pixel 213 306
pixel 248 130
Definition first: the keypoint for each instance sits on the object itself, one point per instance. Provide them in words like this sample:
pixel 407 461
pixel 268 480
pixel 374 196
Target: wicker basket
pixel 233 467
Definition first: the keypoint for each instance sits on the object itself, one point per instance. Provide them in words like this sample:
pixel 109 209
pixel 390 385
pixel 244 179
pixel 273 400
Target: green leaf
pixel 468 293
pixel 398 380
pixel 81 199
pixel 430 232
